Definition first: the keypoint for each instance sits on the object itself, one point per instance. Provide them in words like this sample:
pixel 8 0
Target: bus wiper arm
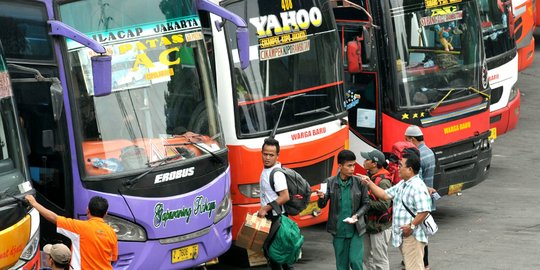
pixel 134 180
pixel 4 193
pixel 322 110
pixel 283 100
pixel 218 158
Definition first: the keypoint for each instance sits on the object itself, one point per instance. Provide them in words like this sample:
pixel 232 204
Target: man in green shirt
pixel 349 202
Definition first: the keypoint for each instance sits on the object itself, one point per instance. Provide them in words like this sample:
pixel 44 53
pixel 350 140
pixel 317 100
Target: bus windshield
pixel 495 28
pixel 162 104
pixel 293 50
pixel 438 53
pixel 12 173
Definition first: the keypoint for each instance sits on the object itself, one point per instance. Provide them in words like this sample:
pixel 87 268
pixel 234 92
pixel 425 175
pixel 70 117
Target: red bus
pixel 406 74
pixel 524 18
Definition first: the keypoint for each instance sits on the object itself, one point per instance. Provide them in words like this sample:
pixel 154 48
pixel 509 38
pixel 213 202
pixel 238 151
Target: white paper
pixel 25 187
pixel 365 118
pixel 349 220
pixel 324 187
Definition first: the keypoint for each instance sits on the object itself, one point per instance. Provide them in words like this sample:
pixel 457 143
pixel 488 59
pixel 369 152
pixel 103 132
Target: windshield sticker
pixel 145 54
pixel 158 29
pixel 431 20
pixel 5 85
pixel 200 206
pixel 438 3
pixel 286 34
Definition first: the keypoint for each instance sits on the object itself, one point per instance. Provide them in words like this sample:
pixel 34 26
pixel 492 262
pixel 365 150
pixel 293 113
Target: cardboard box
pixel 253 232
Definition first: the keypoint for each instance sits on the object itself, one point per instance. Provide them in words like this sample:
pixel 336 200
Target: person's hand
pixel 431 190
pixel 261 213
pixel 31 200
pixel 364 179
pixel 320 194
pixel 353 219
pixel 406 230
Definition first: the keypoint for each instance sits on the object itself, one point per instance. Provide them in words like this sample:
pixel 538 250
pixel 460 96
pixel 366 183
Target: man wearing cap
pixel 414 135
pixel 379 222
pixel 94 242
pixel 59 256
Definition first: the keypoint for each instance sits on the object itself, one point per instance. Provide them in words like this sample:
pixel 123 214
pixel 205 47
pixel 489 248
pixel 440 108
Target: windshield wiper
pixel 4 193
pixel 324 110
pixel 198 145
pixel 283 100
pixel 451 90
pixel 132 181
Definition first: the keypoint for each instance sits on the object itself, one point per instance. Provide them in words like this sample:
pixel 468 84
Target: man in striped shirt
pixel 414 135
pixel 411 191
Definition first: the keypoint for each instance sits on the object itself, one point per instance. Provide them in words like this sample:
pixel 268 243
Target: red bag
pixel 354 55
pixel 398 149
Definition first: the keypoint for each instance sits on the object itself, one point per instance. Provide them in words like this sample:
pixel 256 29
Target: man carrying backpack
pixel 272 198
pixel 379 216
pixel 349 202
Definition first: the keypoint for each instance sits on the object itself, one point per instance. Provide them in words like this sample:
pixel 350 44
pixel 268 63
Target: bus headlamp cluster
pixel 224 208
pixel 485 144
pixel 31 248
pixel 513 93
pixel 126 230
pixel 250 190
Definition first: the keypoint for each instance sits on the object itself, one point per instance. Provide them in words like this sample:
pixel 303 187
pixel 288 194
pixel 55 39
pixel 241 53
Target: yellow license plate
pixel 185 253
pixel 456 188
pixel 312 206
pixel 493 135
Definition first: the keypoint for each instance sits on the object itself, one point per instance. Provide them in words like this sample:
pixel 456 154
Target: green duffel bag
pixel 285 248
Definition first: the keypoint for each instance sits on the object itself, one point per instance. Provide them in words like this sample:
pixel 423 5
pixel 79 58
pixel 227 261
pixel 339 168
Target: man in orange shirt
pixel 94 242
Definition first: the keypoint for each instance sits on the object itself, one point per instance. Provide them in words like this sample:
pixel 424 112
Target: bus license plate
pixel 456 188
pixel 185 253
pixel 493 135
pixel 312 206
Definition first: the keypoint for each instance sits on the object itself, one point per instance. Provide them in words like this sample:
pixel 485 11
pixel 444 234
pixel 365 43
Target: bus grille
pixel 316 173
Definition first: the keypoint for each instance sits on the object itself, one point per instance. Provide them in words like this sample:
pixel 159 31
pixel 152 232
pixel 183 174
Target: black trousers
pixel 273 229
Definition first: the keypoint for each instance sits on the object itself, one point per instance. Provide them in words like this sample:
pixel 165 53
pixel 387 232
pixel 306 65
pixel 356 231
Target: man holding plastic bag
pixel 411 194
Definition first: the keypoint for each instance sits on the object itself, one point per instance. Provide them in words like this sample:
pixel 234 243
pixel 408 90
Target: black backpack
pixel 299 190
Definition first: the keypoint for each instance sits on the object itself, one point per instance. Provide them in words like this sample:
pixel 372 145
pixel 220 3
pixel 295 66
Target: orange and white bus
pixel 293 86
pixel 524 18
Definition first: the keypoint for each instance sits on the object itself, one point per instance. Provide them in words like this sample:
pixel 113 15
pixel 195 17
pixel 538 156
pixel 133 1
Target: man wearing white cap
pixel 414 135
pixel 59 256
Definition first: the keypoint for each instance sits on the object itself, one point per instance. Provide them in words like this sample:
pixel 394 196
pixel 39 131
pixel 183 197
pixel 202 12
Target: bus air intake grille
pixel 315 173
pixel 185 237
pixel 496 94
pixel 124 261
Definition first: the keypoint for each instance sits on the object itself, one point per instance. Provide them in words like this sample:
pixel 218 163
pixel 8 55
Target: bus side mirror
pixel 102 75
pixel 242 37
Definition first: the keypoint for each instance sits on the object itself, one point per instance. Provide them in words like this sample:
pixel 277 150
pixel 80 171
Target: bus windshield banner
pixel 438 3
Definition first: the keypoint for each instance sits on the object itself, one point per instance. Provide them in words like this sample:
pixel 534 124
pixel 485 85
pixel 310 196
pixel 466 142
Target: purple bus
pixel 118 100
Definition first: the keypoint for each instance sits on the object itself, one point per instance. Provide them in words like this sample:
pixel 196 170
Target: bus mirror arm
pixel 242 34
pixel 101 63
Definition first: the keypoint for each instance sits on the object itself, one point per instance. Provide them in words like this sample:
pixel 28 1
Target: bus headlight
pixel 31 248
pixel 126 230
pixel 250 190
pixel 513 93
pixel 224 208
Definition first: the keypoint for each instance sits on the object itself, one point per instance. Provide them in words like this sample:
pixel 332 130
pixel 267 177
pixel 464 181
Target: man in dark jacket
pixel 379 216
pixel 349 202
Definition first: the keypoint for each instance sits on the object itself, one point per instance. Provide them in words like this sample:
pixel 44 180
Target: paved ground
pixel 495 225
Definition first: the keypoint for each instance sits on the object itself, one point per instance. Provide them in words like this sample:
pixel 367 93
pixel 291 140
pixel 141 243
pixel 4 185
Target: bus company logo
pixel 493 77
pixel 456 128
pixel 290 21
pixel 200 206
pixel 308 133
pixel 164 177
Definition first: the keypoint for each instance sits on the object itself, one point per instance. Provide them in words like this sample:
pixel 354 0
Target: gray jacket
pixel 360 203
